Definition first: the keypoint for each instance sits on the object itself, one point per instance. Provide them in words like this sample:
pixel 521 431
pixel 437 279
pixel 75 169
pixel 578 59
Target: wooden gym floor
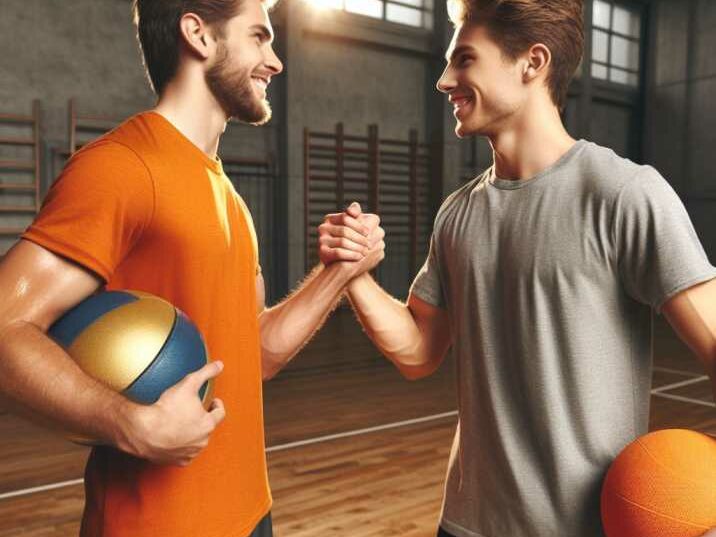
pixel 354 450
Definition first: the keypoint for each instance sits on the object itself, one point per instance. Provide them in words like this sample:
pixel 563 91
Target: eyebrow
pixel 265 32
pixel 459 50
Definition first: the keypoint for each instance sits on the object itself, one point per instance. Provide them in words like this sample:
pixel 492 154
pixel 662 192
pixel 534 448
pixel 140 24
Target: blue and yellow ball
pixel 136 343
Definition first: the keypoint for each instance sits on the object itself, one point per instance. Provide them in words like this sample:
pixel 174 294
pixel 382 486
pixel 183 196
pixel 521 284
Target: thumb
pixel 194 381
pixel 354 209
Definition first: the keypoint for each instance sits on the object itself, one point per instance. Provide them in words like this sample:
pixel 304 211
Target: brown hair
pixel 516 25
pixel 158 30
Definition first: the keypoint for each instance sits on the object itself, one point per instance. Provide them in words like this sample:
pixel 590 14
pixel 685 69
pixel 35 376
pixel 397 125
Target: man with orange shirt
pixel 148 207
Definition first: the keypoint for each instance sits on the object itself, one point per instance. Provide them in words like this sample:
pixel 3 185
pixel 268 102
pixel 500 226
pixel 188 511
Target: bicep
pixel 38 286
pixel 692 314
pixel 434 325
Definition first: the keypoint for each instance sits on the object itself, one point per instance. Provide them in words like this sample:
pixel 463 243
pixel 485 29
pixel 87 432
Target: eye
pixel 464 61
pixel 259 37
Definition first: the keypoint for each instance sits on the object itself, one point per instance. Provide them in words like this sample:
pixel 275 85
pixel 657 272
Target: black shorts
pixel 264 528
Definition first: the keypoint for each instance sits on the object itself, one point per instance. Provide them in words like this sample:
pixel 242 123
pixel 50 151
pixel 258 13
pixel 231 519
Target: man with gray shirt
pixel 542 274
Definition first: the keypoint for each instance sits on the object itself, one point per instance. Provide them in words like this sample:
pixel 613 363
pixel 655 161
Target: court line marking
pixel 676 371
pixel 696 380
pixel 280 447
pixel 357 432
pixel 684 399
pixel 655 392
pixel 42 488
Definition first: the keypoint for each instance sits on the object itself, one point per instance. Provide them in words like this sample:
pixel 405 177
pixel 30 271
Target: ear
pixel 537 60
pixel 196 35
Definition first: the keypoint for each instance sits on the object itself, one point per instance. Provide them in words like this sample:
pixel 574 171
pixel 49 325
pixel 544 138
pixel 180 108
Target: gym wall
pixel 680 125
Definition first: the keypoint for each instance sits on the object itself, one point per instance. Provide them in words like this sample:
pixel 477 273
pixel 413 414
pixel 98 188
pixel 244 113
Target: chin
pixel 465 131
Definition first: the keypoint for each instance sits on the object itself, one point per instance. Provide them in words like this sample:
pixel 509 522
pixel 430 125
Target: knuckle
pixel 191 376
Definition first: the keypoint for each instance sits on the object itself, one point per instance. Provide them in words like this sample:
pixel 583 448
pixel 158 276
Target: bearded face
pixel 233 86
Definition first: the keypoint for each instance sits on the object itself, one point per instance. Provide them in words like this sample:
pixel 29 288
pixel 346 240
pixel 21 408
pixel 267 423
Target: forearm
pixel 388 322
pixel 288 326
pixel 38 376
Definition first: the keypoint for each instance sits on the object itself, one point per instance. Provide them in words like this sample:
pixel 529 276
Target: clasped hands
pixel 352 239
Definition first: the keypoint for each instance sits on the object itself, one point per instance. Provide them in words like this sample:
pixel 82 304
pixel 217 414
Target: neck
pixel 190 106
pixel 533 144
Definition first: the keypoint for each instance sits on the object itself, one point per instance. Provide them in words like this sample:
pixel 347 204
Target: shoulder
pixel 602 169
pixel 609 177
pixel 130 142
pixel 456 201
pixel 105 167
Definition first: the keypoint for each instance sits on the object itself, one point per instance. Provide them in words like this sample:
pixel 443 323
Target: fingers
pixel 346 244
pixel 217 412
pixel 369 220
pixel 376 236
pixel 333 230
pixel 354 209
pixel 196 380
pixel 346 220
pixel 330 255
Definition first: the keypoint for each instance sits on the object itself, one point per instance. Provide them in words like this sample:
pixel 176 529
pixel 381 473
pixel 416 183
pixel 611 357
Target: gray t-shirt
pixel 549 284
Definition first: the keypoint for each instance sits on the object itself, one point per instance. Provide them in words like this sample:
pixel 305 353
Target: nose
pixel 446 82
pixel 272 61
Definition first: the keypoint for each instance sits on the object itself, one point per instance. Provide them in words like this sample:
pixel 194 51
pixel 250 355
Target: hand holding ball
pixel 136 343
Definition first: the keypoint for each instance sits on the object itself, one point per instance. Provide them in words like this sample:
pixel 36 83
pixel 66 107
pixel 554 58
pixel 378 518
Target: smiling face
pixel 244 64
pixel 485 87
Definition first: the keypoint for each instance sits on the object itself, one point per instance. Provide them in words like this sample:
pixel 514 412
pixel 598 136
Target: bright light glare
pixel 326 4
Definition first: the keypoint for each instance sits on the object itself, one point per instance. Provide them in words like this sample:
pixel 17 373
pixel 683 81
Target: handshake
pixel 352 239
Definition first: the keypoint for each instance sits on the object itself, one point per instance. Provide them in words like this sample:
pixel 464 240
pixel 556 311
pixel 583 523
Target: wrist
pixel 343 271
pixel 358 281
pixel 128 425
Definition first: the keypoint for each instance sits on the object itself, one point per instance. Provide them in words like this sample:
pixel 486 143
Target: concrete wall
pixel 351 69
pixel 339 67
pixel 84 49
pixel 681 122
pixel 359 86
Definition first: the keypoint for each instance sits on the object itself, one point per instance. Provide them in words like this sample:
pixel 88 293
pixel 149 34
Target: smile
pixel 460 103
pixel 260 82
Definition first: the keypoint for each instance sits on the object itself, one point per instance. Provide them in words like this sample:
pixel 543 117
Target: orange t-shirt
pixel 146 209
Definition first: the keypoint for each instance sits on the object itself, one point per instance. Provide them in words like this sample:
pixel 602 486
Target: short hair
pixel 158 30
pixel 516 25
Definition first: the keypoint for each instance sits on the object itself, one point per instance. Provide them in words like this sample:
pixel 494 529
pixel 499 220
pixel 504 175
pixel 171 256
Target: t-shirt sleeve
pixel 659 253
pixel 97 209
pixel 427 285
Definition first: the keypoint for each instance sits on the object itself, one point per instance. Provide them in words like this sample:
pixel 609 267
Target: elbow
pixel 417 369
pixel 268 369
pixel 412 374
pixel 267 375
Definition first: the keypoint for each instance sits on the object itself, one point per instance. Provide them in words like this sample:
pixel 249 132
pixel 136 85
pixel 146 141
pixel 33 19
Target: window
pixel 616 42
pixel 417 13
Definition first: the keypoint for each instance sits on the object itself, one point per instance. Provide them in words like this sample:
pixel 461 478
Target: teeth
pixel 261 83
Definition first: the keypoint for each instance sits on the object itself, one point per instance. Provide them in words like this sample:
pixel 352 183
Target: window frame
pixel 634 6
pixel 426 11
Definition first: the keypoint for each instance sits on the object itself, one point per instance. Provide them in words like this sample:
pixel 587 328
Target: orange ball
pixel 662 485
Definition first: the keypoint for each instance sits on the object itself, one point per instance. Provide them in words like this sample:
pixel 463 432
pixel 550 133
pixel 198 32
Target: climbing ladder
pixel 19 172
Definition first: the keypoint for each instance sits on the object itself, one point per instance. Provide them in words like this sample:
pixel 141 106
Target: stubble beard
pixel 233 89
